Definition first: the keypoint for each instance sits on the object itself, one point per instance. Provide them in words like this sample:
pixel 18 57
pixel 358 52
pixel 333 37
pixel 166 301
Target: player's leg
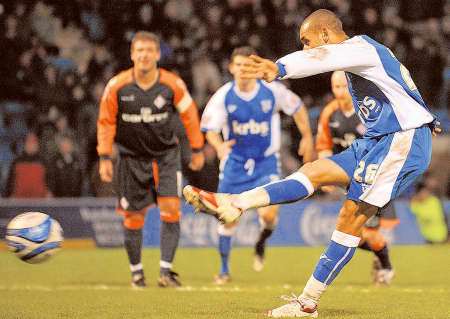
pixel 231 172
pixel 170 214
pixel 268 220
pixel 386 166
pixel 133 225
pixel 167 176
pixel 225 233
pixel 133 202
pixel 344 241
pixel 372 240
pixel 295 187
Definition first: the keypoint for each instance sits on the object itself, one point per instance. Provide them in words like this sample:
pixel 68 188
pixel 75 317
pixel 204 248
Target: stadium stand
pixel 58 55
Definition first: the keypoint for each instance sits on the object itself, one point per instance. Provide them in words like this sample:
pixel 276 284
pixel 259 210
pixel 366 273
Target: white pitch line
pixel 219 289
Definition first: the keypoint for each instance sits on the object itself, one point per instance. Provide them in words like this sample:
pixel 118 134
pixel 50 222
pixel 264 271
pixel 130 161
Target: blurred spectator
pixel 65 176
pixel 50 91
pixel 28 173
pixel 429 213
pixel 56 125
pixel 207 79
pixel 86 133
pixel 93 21
pixel 6 154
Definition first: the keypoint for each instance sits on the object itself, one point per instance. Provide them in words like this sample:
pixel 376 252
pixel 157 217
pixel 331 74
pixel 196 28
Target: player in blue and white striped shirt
pixel 376 168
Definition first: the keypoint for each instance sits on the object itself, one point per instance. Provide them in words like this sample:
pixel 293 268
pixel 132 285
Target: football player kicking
pixel 246 112
pixel 394 151
pixel 339 126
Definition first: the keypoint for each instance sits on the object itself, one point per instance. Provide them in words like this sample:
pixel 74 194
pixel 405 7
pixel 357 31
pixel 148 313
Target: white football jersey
pixel 384 94
pixel 250 118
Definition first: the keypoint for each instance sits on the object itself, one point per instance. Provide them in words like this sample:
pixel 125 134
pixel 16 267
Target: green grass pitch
pixel 94 283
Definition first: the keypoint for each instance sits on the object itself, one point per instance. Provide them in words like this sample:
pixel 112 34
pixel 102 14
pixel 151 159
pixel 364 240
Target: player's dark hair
pixel 244 51
pixel 145 36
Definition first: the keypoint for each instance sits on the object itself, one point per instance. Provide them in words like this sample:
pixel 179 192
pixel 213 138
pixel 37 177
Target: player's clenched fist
pixel 197 161
pixel 106 170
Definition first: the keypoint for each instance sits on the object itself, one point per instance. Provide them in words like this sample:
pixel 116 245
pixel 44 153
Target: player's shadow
pixel 328 312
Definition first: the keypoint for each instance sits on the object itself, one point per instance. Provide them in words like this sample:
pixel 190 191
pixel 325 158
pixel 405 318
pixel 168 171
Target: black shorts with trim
pixel 138 181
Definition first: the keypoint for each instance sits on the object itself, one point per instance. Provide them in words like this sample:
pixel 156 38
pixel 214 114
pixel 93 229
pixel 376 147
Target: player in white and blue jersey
pixel 242 122
pixel 376 168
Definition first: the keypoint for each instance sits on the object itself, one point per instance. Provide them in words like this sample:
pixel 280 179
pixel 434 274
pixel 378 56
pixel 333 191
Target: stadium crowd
pixel 57 57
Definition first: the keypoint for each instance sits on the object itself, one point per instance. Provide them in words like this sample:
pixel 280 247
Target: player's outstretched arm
pixel 260 68
pixel 345 56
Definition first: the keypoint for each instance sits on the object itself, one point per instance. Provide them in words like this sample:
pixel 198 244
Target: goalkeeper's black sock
pixel 133 245
pixel 260 245
pixel 383 256
pixel 365 246
pixel 170 235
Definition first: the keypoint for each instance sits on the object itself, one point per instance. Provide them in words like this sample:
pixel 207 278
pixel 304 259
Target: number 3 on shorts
pixel 371 172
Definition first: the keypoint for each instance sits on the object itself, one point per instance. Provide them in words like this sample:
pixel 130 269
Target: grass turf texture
pixel 95 283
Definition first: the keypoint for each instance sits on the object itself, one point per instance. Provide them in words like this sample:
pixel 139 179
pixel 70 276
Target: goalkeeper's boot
pixel 169 280
pixel 297 307
pixel 385 276
pixel 376 267
pixel 138 279
pixel 258 263
pixel 218 205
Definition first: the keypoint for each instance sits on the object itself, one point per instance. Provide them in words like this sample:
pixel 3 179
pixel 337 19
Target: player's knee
pixel 268 221
pixel 375 239
pixel 169 209
pixel 313 172
pixel 134 220
pixel 348 210
pixel 226 230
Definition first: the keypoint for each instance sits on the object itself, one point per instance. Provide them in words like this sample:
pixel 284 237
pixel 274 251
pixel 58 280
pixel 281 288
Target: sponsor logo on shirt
pixel 159 102
pixel 250 128
pixel 231 108
pixel 127 98
pixel 334 124
pixel 266 105
pixel 145 116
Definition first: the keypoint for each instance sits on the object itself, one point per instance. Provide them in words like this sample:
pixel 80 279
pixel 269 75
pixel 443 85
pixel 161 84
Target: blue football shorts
pixel 381 168
pixel 239 175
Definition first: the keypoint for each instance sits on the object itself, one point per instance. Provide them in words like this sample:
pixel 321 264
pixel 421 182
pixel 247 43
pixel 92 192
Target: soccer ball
pixel 34 237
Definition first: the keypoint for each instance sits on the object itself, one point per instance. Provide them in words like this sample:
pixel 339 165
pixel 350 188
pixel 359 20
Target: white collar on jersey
pixel 246 96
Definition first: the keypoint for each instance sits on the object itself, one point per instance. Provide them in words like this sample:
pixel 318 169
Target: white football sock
pixel 313 289
pixel 254 198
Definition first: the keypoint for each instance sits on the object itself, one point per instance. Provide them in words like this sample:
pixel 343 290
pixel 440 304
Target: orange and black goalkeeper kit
pixel 141 122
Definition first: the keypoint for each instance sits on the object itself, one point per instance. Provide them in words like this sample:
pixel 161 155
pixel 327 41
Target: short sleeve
pixel 215 115
pixel 285 100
